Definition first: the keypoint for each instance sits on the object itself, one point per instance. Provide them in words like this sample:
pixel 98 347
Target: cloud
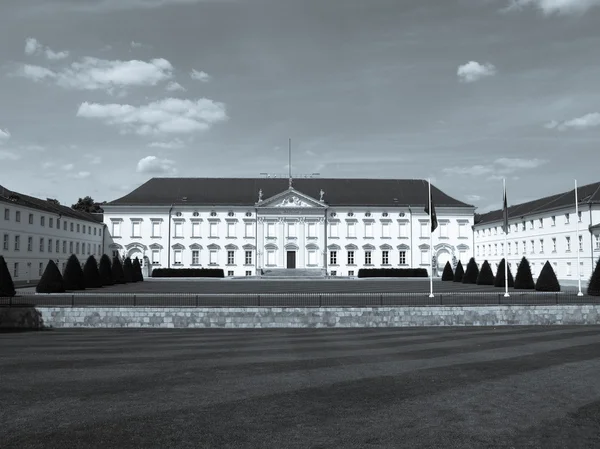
pixel 135 44
pixel 68 167
pixel 168 116
pixel 47 165
pixel 4 135
pixel 101 74
pixel 79 175
pixel 475 170
pixel 586 121
pixel 55 56
pixel 174 86
pixel 473 197
pixel 550 7
pixel 498 169
pixel 172 145
pixel 474 71
pixel 34 47
pixel 6 155
pixel 516 163
pixel 200 76
pixel 94 160
pixel 152 165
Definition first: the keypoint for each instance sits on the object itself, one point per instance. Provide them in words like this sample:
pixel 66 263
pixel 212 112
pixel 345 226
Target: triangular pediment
pixel 291 199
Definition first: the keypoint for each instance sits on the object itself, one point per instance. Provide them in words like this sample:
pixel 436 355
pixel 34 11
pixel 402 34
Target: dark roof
pixel 12 197
pixel 585 195
pixel 244 191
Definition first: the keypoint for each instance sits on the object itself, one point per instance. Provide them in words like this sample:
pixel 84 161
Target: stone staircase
pixel 293 273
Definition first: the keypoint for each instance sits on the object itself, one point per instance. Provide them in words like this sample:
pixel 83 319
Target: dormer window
pixel 196 214
pixel 178 214
pixel 351 214
pixel 230 214
pixel 385 214
pixel 213 214
pixel 367 214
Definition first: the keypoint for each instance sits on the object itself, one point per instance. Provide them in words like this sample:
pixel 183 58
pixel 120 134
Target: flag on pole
pixel 433 215
pixel 505 227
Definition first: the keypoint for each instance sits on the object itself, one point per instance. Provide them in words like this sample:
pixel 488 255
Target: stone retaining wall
pixel 261 317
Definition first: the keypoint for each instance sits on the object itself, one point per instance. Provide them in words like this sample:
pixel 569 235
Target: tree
pixel 447 275
pixel 105 271
pixel 137 271
pixel 117 271
pixel 546 281
pixel 459 272
pixel 594 284
pixel 7 287
pixel 486 275
pixel 499 282
pixel 51 281
pixel 524 279
pixel 91 274
pixel 73 276
pixel 471 273
pixel 128 270
pixel 87 204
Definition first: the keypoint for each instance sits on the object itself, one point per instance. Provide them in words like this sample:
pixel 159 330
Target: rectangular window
pixel 443 229
pixel 249 230
pixel 567 218
pixel 95 231
pixel 214 230
pixel 248 273
pixel 462 230
pixel 71 248
pixel 30 218
pixel 509 248
pixel 312 257
pixel 16 270
pixel 553 220
pixel 291 230
pixel 77 248
pixel 49 245
pixel 65 225
pixel 541 223
pixel 18 216
pixel 541 245
pixel 58 223
pixel 312 229
pixel 385 257
pixel 351 230
pixel 569 273
pixel 64 247
pixel 230 257
pixel 195 229
pixel 580 243
pixel 495 249
pixel 483 250
pixel 524 247
pixel 385 230
pixel 597 241
pixel 156 229
pixel 7 214
pixel 230 273
pixel 351 273
pixel 57 249
pixel 568 241
pixel 72 227
pixel 333 230
pixel 17 242
pixel 502 249
pixel 530 224
pixel 29 243
pixel 332 257
pixel 230 230
pixel 424 230
pixel 178 257
pixel 270 257
pixel 41 244
pixel 248 257
pixel 89 249
pixel 136 230
pixel 579 216
pixel 116 228
pixel 350 257
pixel 367 257
pixel 553 244
pixel 402 257
pixel 50 222
pixel 516 248
pixel 78 227
pixel 532 246
pixel 425 258
pixel 213 259
pixel 524 228
pixel 41 268
pixel 43 221
pixel 369 230
pixel 83 229
pixel 178 229
pixel 402 232
pixel 155 256
pixel 270 229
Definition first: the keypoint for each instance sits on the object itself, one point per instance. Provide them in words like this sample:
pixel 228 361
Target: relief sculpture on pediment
pixel 292 201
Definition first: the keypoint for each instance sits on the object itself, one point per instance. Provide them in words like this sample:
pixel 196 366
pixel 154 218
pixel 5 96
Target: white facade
pixel 288 230
pixel 30 237
pixel 544 236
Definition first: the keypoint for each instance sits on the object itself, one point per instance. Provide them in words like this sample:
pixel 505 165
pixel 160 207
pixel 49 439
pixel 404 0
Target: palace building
pixel 245 225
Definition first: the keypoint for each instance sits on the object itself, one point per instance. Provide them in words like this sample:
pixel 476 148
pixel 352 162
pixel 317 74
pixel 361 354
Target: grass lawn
pixel 520 387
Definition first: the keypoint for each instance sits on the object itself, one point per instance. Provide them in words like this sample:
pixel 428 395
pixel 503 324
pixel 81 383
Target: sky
pixel 98 96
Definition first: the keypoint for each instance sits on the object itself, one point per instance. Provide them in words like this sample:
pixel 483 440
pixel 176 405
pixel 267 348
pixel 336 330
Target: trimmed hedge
pixel 392 273
pixel 547 281
pixel 188 273
pixel 486 275
pixel 448 275
pixel 459 272
pixel 51 281
pixel 471 273
pixel 499 282
pixel 594 284
pixel 105 271
pixel 73 276
pixel 137 271
pixel 128 270
pixel 117 271
pixel 524 279
pixel 7 286
pixel 91 274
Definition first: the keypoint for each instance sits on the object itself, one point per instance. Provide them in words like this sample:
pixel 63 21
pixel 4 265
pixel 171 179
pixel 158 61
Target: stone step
pixel 293 272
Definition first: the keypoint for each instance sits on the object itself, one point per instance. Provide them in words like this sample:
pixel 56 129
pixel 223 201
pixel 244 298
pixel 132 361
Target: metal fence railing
pixel 293 299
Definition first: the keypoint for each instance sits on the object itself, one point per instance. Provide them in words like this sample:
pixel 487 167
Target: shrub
pixel 7 287
pixel 594 284
pixel 137 271
pixel 105 270
pixel 392 273
pixel 459 272
pixel 91 274
pixel 188 272
pixel 472 272
pixel 499 282
pixel 546 281
pixel 73 276
pixel 524 279
pixel 486 275
pixel 447 275
pixel 128 270
pixel 117 271
pixel 51 281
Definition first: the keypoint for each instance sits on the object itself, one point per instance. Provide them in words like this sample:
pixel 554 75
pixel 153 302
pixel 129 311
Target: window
pixel 195 229
pixel 402 257
pixel 385 230
pixel 50 222
pixel 18 216
pixel 65 225
pixel 369 230
pixel 569 269
pixel 77 248
pixel 95 231
pixel 270 229
pixel 57 249
pixel 49 245
pixel 385 257
pixel 350 257
pixel 248 273
pixel 58 224
pixel 119 233
pixel 230 273
pixel 333 272
pixel 516 248
pixel 351 230
pixel 195 257
pixel 553 220
pixel 17 242
pixel 178 229
pixel 83 229
pixel 136 229
pixel 579 216
pixel 462 230
pixel 178 257
pixel 597 241
pixel 495 230
pixel 351 273
pixel 41 245
pixel 541 245
pixel 580 243
pixel 115 253
pixel 478 253
pixel 332 257
pixel 230 257
pixel 30 218
pixel 7 214
pixel 16 270
pixel 230 230
pixel 64 264
pixel 312 229
pixel 424 230
pixel 524 247
pixel 270 257
pixel 312 257
pixel 41 268
pixel 509 249
pixel 532 246
pixel 541 223
pixel 495 249
pixel 483 250
pixel 78 227
pixel 155 256
pixel 248 257
pixel 29 243
pixel 516 227
pixel 553 244
pixel 333 230
pixel 116 228
pixel 213 257
pixel 64 246
pixel 291 230
pixel 249 230
pixel 531 224
pixel 568 241
pixel 567 218
pixel 524 228
pixel 367 257
pixel 156 229
pixel 89 250
pixel 43 221
pixel 402 232
pixel 71 248
pixel 502 249
pixel 214 230
pixel 424 257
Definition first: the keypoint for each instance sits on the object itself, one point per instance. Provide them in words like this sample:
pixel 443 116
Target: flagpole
pixel 430 242
pixel 577 232
pixel 506 295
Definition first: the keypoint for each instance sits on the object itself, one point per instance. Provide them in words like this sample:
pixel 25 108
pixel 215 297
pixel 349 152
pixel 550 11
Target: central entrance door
pixel 291 259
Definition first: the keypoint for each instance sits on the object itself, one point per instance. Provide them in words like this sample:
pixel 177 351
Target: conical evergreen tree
pixel 128 270
pixel 7 286
pixel 51 281
pixel 486 275
pixel 459 272
pixel 91 274
pixel 117 271
pixel 499 281
pixel 547 281
pixel 524 279
pixel 137 271
pixel 447 275
pixel 594 284
pixel 471 273
pixel 73 276
pixel 105 271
